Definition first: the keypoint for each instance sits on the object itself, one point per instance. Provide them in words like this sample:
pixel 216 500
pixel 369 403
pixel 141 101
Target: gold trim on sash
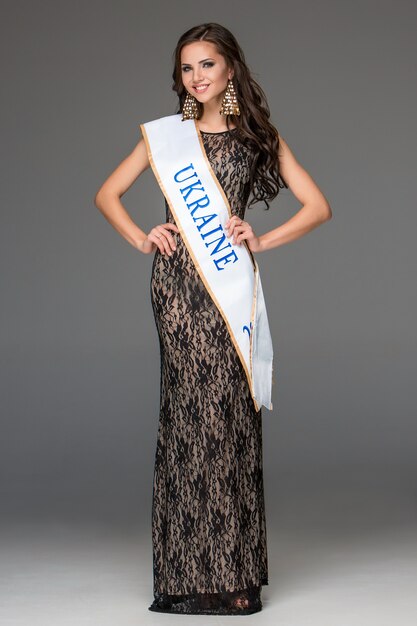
pixel 197 265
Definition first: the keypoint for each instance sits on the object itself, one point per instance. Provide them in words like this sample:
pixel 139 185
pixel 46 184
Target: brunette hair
pixel 254 127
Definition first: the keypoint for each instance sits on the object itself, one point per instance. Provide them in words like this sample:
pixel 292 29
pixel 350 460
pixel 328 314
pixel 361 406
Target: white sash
pixel 229 271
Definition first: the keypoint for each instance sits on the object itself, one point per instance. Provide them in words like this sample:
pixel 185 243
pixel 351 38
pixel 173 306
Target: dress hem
pixel 210 603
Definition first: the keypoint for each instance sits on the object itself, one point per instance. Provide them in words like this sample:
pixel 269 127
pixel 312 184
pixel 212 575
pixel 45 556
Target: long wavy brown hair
pixel 254 127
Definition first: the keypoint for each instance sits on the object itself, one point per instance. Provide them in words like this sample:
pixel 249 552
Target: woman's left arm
pixel 315 209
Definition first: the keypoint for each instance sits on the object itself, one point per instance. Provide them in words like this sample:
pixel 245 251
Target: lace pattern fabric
pixel 208 512
pixel 227 603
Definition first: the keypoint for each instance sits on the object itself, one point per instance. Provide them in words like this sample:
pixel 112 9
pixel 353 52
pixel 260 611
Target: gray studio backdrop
pixel 79 348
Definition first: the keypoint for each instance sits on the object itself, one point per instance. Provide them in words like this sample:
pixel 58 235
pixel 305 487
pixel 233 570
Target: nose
pixel 198 76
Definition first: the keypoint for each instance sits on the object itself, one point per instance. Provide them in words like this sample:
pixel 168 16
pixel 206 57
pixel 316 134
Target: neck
pixel 211 117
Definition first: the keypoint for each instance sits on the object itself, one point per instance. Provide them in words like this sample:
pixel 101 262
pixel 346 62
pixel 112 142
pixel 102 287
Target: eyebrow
pixel 209 59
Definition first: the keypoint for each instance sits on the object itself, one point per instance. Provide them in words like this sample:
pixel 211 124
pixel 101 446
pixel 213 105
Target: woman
pixel 208 512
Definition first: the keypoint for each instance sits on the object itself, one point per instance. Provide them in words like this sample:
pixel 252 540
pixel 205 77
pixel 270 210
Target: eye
pixel 208 63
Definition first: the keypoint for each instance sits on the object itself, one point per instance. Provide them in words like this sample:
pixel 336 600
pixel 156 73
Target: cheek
pixel 220 73
pixel 222 77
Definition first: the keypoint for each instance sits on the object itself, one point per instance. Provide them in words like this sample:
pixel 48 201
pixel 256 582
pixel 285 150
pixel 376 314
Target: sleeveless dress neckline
pixel 221 132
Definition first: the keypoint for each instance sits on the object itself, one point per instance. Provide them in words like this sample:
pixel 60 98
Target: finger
pixel 170 241
pixel 231 229
pixel 166 245
pixel 242 232
pixel 240 229
pixel 232 224
pixel 157 240
pixel 242 237
pixel 173 226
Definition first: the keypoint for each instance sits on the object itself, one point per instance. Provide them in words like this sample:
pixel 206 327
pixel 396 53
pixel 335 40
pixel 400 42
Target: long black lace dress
pixel 208 512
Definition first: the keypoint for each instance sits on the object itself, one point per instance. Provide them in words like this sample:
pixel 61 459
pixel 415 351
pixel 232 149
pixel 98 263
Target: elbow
pixel 325 212
pixel 328 214
pixel 320 209
pixel 102 196
pixel 98 198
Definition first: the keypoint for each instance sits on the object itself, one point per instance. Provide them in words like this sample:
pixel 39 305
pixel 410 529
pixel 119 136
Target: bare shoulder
pixel 128 170
pixel 140 156
pixel 285 153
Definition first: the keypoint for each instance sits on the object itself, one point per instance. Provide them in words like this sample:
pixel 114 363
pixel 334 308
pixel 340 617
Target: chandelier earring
pixel 230 104
pixel 190 108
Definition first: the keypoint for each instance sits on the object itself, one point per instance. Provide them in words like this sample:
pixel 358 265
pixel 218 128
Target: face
pixel 201 64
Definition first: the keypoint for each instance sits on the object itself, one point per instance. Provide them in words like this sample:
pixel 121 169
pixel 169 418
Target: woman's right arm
pixel 107 200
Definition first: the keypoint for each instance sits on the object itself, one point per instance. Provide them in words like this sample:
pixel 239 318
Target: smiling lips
pixel 200 88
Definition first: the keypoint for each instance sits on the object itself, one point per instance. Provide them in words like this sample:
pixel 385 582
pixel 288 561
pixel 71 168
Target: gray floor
pixel 340 555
